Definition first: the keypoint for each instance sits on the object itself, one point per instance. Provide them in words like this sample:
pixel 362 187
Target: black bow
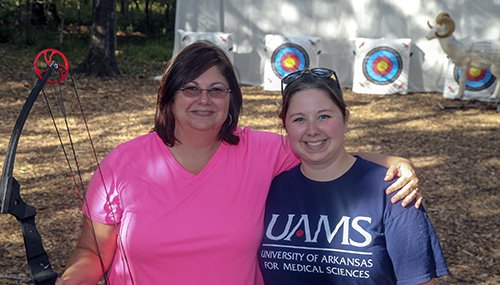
pixel 10 197
pixel 12 203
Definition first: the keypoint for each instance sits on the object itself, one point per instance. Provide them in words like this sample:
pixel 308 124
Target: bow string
pixel 51 67
pixel 12 203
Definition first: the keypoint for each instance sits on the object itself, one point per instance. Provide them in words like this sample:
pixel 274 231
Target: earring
pixel 230 119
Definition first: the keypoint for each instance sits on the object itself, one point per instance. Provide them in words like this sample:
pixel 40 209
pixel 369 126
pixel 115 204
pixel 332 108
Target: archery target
pixel 223 40
pixel 479 84
pixel 287 58
pixel 381 66
pixel 286 55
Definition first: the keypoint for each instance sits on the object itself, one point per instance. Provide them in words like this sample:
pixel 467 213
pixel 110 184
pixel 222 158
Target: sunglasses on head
pixel 315 72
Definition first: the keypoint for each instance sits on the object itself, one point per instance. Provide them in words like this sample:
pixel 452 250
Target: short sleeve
pixel 414 248
pixel 102 197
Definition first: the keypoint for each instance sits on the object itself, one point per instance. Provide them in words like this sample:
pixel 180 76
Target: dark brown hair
pixel 309 81
pixel 186 66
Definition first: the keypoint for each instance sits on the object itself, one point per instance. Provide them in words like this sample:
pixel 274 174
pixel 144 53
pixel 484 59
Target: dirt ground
pixel 456 153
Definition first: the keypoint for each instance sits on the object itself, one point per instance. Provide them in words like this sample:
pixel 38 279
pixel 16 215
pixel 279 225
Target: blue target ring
pixel 287 58
pixel 477 79
pixel 382 65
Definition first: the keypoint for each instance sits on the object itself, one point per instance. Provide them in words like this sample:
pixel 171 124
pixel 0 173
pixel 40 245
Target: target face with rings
pixel 476 79
pixel 287 58
pixel 382 65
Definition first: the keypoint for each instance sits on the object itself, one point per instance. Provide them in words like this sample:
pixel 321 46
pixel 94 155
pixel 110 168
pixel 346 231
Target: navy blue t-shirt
pixel 345 231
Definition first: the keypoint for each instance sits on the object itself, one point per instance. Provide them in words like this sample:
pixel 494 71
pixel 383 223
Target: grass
pixel 144 56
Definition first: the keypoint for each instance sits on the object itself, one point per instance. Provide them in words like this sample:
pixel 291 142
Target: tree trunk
pixel 126 14
pixel 170 15
pixel 101 59
pixel 148 22
pixel 19 18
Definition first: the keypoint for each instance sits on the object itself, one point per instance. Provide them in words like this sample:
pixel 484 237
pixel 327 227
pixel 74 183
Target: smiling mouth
pixel 315 144
pixel 203 113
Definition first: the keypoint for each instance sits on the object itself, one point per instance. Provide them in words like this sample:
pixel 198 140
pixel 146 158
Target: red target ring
pixel 289 62
pixel 43 61
pixel 382 66
pixel 287 58
pixel 476 79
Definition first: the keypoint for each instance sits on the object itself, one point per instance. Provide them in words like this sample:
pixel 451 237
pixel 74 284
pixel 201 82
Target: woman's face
pixel 315 127
pixel 201 113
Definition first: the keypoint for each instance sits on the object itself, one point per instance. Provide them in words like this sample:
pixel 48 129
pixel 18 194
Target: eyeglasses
pixel 315 72
pixel 214 92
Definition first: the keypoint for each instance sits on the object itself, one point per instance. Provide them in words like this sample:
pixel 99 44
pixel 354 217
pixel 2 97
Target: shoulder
pixel 251 134
pixel 367 165
pixel 288 183
pixel 376 174
pixel 135 148
pixel 267 148
pixel 139 141
pixel 289 175
pixel 260 139
pixel 365 172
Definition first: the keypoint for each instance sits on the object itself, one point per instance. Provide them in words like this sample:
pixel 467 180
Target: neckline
pixel 336 180
pixel 183 172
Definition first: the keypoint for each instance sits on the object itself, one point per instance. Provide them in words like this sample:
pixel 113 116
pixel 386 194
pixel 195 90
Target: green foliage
pixel 161 17
pixel 16 20
pixel 75 11
pixel 139 58
pixel 144 57
pixel 143 46
pixel 7 20
pixel 37 39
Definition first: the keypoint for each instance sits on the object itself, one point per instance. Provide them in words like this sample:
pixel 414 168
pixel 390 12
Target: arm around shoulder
pixel 407 182
pixel 382 159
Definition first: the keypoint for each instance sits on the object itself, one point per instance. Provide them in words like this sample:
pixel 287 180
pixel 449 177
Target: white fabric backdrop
pixel 338 23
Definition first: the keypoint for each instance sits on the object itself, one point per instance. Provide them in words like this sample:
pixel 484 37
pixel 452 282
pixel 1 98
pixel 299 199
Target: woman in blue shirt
pixel 328 220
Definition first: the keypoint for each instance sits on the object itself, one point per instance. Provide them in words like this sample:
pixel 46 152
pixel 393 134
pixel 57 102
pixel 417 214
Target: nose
pixel 312 128
pixel 204 96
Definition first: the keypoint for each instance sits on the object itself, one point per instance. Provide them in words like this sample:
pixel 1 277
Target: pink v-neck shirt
pixel 176 227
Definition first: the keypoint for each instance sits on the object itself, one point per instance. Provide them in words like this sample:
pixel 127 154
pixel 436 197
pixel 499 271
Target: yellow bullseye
pixel 474 72
pixel 382 66
pixel 289 62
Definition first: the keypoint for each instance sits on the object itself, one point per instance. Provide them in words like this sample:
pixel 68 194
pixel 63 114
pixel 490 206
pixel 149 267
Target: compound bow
pixel 53 72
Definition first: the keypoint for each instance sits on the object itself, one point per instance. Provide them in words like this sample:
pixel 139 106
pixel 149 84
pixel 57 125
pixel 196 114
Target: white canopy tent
pixel 339 23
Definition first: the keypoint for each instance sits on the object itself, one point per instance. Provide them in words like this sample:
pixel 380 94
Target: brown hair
pixel 309 81
pixel 187 65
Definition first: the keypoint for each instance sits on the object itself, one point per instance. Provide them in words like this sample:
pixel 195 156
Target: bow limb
pixel 11 201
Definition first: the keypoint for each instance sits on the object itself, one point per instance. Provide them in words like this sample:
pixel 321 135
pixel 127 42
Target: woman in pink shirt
pixel 184 203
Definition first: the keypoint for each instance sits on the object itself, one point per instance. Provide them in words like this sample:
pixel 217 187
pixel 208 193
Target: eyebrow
pixel 211 84
pixel 320 111
pixel 325 110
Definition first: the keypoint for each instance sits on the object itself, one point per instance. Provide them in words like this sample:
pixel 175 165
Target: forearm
pixel 83 267
pixel 87 264
pixel 382 159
